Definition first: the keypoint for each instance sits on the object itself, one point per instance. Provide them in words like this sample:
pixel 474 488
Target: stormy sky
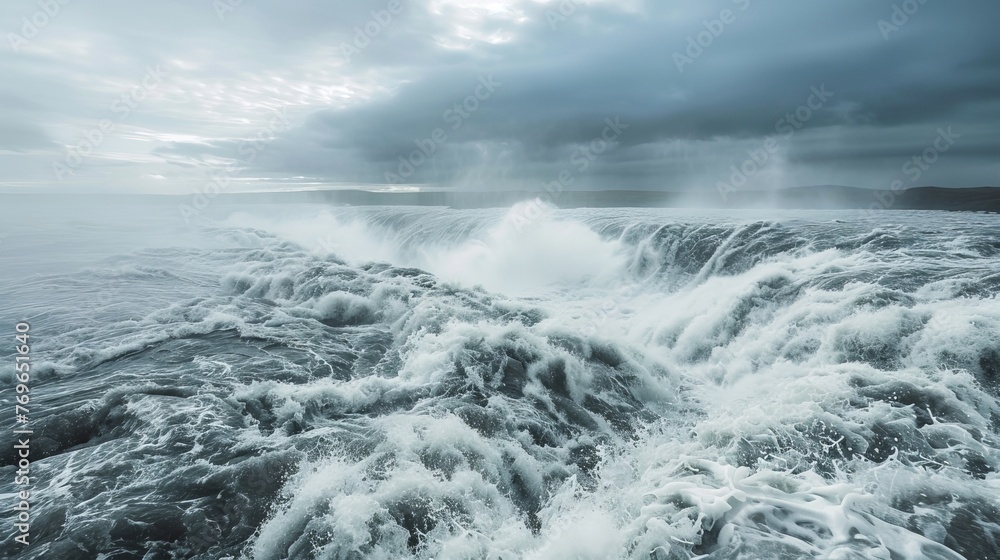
pixel 168 96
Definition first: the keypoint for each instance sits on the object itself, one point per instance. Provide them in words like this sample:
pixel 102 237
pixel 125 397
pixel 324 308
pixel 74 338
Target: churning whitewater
pixel 529 383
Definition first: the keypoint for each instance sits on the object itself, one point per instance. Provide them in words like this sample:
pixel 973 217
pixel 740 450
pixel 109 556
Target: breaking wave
pixel 388 383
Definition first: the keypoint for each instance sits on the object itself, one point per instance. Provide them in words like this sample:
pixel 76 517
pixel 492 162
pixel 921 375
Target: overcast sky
pixel 478 94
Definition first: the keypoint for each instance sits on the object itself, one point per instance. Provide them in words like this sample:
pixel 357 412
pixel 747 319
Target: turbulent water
pixel 392 383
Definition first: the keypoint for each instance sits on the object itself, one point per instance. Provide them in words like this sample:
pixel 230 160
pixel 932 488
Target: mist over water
pixel 519 250
pixel 396 382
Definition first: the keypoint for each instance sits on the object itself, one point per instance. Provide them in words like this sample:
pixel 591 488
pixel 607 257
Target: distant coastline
pixel 970 199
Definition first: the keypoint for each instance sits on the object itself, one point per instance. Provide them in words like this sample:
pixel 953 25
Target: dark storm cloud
pixel 690 111
pixel 557 90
